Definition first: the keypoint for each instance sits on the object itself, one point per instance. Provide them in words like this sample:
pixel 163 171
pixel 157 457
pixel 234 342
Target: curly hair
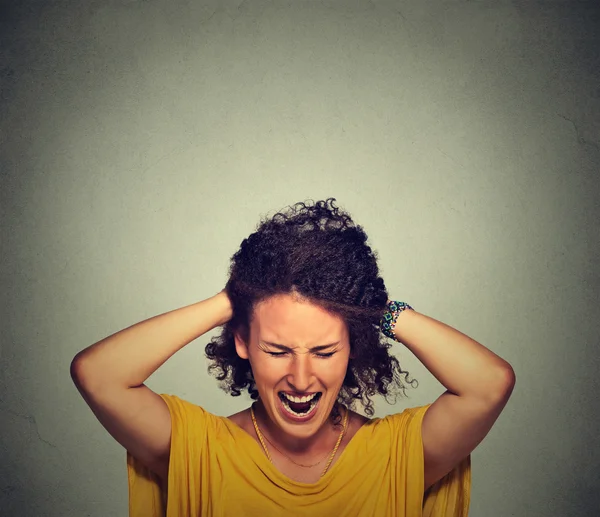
pixel 313 249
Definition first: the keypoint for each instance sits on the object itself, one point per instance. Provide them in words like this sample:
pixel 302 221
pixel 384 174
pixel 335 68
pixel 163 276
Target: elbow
pixel 80 372
pixel 509 378
pixel 503 384
pixel 76 370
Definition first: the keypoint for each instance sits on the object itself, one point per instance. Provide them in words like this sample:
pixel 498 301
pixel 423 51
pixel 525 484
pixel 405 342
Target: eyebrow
pixel 287 348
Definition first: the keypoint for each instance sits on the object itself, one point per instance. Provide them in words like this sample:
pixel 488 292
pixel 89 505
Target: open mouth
pixel 299 406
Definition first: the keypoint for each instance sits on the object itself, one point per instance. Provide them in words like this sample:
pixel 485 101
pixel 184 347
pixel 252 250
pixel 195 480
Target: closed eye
pixel 322 355
pixel 325 354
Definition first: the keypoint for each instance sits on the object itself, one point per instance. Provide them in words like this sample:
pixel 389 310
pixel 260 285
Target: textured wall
pixel 141 141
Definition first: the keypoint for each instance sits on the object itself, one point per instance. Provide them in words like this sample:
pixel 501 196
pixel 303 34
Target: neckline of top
pixel 266 464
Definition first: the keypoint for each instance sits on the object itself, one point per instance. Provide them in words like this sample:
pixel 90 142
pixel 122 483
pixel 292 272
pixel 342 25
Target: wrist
pixel 391 314
pixel 224 308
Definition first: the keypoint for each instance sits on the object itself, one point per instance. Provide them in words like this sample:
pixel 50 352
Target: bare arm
pixel 110 376
pixel 478 384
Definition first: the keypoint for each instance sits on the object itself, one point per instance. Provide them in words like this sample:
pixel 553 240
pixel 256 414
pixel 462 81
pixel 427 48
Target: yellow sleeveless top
pixel 217 469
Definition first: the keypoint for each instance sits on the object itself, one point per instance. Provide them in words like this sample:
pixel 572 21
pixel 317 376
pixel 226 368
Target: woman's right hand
pixel 227 308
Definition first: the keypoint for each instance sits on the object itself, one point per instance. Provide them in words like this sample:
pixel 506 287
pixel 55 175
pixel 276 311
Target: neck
pixel 319 443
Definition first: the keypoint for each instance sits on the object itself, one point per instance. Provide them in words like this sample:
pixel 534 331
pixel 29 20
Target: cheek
pixel 333 372
pixel 266 371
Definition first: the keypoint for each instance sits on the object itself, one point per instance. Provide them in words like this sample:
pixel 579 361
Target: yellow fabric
pixel 217 469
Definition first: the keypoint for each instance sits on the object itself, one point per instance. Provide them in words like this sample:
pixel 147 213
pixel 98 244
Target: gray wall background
pixel 141 141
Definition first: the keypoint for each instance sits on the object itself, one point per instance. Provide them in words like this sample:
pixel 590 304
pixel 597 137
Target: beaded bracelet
pixel 390 316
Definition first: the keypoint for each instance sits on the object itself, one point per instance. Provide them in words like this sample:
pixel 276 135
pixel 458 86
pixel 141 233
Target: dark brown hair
pixel 313 249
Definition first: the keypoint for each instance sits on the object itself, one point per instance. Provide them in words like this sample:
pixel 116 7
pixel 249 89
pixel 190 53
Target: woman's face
pixel 299 355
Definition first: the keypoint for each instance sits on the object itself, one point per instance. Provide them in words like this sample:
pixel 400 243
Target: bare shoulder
pixel 355 422
pixel 242 419
pixel 355 418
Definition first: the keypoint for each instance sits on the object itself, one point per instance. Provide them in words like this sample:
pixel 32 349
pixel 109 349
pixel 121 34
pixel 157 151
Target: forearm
pixel 130 356
pixel 462 365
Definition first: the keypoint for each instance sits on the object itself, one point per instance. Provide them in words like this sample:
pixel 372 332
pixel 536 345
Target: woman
pixel 303 317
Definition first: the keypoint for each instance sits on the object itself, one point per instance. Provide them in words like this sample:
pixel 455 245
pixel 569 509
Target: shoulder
pixel 410 414
pixel 243 420
pixel 175 401
pixel 409 420
pixel 355 422
pixel 185 412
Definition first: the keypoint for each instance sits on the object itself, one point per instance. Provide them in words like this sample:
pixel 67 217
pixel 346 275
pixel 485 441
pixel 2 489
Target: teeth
pixel 299 400
pixel 313 405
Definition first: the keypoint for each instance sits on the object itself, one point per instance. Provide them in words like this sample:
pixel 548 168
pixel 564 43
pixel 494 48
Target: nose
pixel 300 377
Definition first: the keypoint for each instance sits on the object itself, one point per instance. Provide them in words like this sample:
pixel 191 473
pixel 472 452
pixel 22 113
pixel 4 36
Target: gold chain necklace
pixel 332 455
pixel 291 459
